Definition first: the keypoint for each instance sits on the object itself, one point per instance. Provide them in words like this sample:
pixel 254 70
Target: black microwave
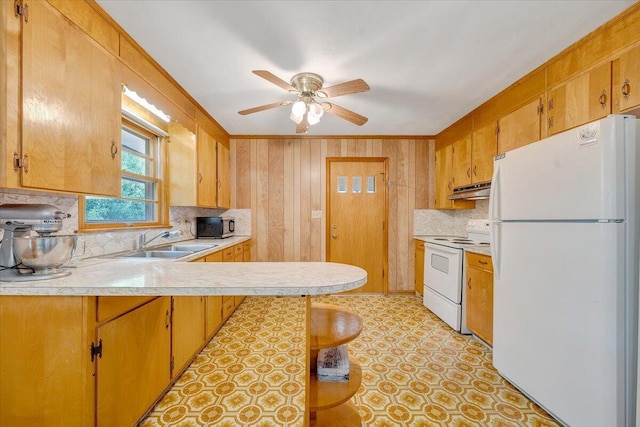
pixel 214 227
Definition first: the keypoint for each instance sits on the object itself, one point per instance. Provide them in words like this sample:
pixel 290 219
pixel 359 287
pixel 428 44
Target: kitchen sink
pixel 158 254
pixel 191 247
pixel 175 250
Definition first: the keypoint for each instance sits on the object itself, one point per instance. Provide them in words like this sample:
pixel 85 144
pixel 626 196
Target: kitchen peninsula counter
pixel 140 277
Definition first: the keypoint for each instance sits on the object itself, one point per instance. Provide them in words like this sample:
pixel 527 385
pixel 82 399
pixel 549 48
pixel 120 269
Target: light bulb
pixel 299 108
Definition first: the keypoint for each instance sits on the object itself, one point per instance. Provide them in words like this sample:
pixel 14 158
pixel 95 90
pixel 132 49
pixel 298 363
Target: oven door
pixel 443 271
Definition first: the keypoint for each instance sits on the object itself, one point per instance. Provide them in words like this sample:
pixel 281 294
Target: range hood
pixel 471 192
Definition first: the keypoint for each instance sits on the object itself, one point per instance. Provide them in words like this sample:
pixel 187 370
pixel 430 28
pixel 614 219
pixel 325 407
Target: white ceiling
pixel 428 63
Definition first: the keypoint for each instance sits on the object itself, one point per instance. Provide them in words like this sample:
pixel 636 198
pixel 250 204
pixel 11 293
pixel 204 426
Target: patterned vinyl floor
pixel 416 371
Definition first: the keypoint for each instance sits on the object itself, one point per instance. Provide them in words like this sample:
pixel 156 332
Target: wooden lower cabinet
pixel 133 369
pixel 46 373
pixel 419 267
pixel 187 330
pixel 479 293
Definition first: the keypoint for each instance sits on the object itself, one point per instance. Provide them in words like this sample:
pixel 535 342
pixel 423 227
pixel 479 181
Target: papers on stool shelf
pixel 333 364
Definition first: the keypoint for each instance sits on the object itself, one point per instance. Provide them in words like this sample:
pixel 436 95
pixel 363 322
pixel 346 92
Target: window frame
pixel 160 178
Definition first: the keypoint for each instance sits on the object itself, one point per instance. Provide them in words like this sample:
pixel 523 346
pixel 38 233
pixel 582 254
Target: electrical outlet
pixel 316 214
pixel 184 220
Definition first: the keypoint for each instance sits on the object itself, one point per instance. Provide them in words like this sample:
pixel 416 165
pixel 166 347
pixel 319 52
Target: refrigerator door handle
pixel 494 233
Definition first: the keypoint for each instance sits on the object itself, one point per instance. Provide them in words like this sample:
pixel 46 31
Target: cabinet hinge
pixel 540 109
pixel 96 350
pixel 550 104
pixel 497 129
pixel 17 161
pixel 550 122
pixel 21 10
pixel 383 273
pixel 172 301
pixel 171 364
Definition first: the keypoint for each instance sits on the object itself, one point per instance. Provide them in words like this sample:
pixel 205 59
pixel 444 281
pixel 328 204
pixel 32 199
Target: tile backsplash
pixel 453 222
pixel 100 243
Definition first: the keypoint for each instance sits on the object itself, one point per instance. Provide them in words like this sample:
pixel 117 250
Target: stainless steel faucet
pixel 143 242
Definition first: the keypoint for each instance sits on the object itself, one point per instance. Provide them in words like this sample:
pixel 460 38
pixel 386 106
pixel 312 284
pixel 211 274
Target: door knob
pixel 334 236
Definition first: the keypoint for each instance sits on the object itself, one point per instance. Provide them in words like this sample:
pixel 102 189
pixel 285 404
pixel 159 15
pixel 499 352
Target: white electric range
pixel 444 272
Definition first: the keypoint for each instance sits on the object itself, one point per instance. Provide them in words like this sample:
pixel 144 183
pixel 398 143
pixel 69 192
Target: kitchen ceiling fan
pixel 307 109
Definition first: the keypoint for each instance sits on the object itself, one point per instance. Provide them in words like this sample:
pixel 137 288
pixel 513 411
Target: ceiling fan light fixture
pixel 315 110
pixel 299 108
pixel 296 119
pixel 312 120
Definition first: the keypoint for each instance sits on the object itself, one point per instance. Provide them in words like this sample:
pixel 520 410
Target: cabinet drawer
pixel 238 249
pixel 479 261
pixel 228 254
pixel 227 308
pixel 109 307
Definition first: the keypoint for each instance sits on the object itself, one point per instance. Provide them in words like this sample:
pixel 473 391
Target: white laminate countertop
pixel 140 276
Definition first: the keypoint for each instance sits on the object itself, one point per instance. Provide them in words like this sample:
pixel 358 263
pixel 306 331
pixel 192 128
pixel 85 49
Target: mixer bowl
pixel 44 254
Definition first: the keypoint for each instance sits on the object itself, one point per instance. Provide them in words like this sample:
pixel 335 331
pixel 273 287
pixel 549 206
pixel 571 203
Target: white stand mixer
pixel 25 257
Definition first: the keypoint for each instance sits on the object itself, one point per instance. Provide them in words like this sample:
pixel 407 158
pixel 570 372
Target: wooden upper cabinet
pixel 484 147
pixel 626 81
pixel 224 174
pixel 182 166
pixel 206 171
pixel 580 100
pixel 520 127
pixel 71 115
pixel 461 162
pixel 443 168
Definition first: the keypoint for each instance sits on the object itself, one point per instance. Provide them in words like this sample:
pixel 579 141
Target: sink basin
pixel 159 254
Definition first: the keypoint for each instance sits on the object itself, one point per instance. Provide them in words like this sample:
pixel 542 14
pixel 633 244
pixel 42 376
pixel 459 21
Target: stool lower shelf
pixel 329 403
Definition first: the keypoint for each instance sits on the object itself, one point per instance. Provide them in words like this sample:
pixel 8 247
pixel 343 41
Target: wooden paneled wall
pixel 282 180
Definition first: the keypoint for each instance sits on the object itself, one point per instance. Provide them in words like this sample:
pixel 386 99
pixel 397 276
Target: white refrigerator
pixel 564 239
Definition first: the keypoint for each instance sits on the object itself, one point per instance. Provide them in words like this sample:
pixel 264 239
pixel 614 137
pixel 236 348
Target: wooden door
pixel 357 217
pixel 627 80
pixel 580 100
pixel 207 186
pixel 224 172
pixel 71 116
pixel 519 128
pixel 187 330
pixel 443 176
pixel 484 148
pixel 134 367
pixel 461 162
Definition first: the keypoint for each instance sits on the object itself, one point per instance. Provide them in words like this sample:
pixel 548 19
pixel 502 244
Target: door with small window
pixel 357 217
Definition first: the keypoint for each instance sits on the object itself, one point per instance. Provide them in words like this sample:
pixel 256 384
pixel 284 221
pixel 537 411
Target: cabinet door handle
pixel 474 170
pixel 199 177
pixel 603 99
pixel 626 89
pixel 469 283
pixel 167 320
pixel 114 149
pixel 482 262
pixel 469 172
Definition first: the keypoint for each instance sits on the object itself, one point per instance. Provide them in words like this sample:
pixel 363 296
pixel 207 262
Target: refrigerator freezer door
pixel 559 332
pixel 575 175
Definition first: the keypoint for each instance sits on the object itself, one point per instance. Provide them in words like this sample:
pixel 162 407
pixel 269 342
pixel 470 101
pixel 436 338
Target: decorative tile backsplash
pixel 453 222
pixel 95 244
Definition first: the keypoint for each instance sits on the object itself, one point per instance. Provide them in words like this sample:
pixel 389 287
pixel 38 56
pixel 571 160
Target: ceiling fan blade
pixel 343 113
pixel 302 127
pixel 264 107
pixel 275 80
pixel 346 88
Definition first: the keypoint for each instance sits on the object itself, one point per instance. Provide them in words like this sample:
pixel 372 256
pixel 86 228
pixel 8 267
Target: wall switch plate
pixel 316 214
